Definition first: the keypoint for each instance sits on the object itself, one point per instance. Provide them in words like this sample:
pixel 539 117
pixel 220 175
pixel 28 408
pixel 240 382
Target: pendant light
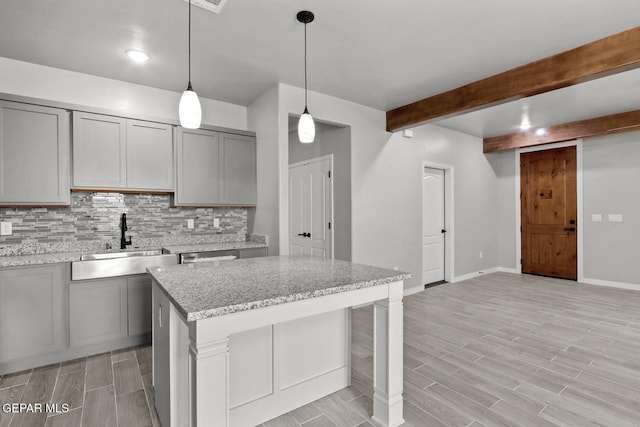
pixel 189 109
pixel 306 127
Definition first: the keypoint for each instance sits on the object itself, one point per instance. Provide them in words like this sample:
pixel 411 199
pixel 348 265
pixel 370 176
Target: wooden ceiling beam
pixel 615 123
pixel 607 56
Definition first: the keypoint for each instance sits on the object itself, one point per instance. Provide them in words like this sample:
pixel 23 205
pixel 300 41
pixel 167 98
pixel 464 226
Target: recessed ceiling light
pixel 137 55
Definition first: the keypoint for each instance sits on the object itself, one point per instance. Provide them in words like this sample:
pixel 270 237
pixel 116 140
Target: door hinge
pixel 520 261
pixel 329 226
pixel 329 174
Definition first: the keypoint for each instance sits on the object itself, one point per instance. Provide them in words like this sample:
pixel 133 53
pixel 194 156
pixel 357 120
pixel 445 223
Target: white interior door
pixel 311 208
pixel 433 226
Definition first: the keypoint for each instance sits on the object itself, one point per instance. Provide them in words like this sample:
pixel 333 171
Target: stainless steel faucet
pixel 124 242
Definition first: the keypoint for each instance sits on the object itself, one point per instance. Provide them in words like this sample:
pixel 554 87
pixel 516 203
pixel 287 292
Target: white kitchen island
pixel 237 343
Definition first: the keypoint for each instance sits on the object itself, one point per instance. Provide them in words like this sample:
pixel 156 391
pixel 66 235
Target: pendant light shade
pixel 189 109
pixel 306 126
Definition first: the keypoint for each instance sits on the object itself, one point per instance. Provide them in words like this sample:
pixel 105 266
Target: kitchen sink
pixel 111 255
pixel 96 266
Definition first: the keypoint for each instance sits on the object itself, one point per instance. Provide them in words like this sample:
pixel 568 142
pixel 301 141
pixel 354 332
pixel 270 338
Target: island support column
pixel 387 358
pixel 208 381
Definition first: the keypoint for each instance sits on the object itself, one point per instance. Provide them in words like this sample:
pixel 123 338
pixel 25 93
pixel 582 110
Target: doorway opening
pixel 437 224
pixel 549 212
pixel 311 207
pixel 332 140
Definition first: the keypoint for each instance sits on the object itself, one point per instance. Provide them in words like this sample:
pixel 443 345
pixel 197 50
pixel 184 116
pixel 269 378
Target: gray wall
pixel 504 166
pixel 611 177
pixel 337 141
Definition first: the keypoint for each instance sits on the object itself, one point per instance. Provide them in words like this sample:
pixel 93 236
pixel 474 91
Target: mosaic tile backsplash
pixel 92 222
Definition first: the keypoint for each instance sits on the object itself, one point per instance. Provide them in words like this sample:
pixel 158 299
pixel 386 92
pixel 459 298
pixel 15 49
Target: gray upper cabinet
pixel 34 159
pixel 32 312
pixel 117 153
pixel 99 151
pixel 197 167
pixel 238 169
pixel 149 155
pixel 215 169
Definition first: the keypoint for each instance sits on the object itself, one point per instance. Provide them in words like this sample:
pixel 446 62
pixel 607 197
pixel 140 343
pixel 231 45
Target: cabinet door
pixel 198 159
pixel 149 156
pixel 34 155
pixel 31 311
pixel 99 151
pixel 97 311
pixel 139 304
pixel 238 166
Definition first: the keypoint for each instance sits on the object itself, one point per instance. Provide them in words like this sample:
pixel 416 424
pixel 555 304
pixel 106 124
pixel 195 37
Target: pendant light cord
pixel 189 46
pixel 305 66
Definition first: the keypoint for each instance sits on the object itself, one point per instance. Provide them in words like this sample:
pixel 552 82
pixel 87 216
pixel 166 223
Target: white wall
pixel 54 84
pixel 386 173
pixel 262 118
pixel 611 175
pixel 504 165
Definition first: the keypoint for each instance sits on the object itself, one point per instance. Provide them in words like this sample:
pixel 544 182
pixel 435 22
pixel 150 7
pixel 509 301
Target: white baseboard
pixel 610 284
pixel 413 290
pixel 508 270
pixel 474 274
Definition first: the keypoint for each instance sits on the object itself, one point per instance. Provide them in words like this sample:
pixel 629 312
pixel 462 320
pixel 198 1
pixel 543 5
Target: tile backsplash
pixel 92 222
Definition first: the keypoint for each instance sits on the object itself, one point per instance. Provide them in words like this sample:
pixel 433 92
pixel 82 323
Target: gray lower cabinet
pixel 215 169
pixel 34 155
pixel 252 253
pixel 32 314
pixel 118 153
pixel 107 310
pixel 46 318
pixel 139 304
pixel 97 311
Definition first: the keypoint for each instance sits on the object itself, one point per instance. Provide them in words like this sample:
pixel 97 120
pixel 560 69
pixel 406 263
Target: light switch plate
pixel 190 224
pixel 596 217
pixel 615 218
pixel 216 222
pixel 6 229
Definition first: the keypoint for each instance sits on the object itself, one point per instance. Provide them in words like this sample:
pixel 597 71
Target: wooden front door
pixel 549 212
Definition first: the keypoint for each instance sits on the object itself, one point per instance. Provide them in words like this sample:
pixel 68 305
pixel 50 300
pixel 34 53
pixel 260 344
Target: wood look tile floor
pixel 499 350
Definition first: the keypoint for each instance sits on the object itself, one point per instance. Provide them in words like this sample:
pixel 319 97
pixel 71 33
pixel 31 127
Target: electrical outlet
pixel 190 224
pixel 480 254
pixel 615 218
pixel 216 222
pixel 6 229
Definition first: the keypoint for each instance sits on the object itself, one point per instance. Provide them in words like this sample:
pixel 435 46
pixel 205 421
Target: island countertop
pixel 199 291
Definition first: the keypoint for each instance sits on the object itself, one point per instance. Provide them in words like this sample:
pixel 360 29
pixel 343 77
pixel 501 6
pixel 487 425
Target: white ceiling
pixel 383 54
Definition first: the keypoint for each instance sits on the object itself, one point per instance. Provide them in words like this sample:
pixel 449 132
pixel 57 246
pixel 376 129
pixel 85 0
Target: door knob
pixel 304 234
pixel 570 229
pixel 443 231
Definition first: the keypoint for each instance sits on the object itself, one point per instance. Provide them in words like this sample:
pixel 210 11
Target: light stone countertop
pixel 200 291
pixel 39 259
pixel 59 257
pixel 218 246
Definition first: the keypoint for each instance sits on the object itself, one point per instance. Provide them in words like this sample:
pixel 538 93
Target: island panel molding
pixel 610 55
